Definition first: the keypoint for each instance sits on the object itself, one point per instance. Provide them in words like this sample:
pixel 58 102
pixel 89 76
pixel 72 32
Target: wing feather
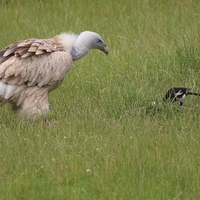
pixel 24 73
pixel 15 80
pixel 42 70
pixel 26 55
pixel 10 51
pixel 29 47
pixel 5 65
pixel 34 62
pixel 9 71
pixel 18 71
pixel 21 51
pixel 26 43
pixel 33 48
pixel 39 51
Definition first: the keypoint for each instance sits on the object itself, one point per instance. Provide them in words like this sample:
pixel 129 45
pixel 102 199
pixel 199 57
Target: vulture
pixel 30 69
pixel 178 94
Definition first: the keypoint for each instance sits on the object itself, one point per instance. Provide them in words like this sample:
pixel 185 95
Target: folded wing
pixel 33 62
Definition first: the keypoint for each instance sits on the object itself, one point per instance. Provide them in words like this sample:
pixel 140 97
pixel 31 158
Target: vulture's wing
pixel 33 62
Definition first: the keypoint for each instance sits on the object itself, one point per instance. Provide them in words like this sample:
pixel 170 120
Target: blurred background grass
pixel 110 142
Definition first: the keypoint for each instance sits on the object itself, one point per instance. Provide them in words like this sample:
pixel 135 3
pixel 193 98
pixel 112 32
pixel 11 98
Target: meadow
pixel 110 141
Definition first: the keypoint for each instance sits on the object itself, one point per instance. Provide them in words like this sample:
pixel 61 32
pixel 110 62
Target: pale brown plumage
pixel 32 68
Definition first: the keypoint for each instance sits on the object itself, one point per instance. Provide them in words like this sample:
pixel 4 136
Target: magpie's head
pixel 184 90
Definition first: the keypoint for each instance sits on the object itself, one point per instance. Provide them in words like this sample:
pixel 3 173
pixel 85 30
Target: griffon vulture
pixel 32 68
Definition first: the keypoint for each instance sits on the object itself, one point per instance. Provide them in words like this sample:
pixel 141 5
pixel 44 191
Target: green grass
pixel 110 142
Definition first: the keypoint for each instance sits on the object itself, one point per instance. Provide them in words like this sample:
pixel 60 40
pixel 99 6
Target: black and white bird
pixel 178 94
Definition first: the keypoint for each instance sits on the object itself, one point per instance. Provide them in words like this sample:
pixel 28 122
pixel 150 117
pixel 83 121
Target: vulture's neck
pixel 77 45
pixel 78 52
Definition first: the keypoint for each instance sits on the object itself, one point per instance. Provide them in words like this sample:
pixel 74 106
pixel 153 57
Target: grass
pixel 110 142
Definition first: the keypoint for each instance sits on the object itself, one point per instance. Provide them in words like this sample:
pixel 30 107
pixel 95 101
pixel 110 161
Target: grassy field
pixel 110 142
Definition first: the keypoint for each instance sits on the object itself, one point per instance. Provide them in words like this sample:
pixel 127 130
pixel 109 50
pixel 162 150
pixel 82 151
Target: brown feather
pixel 25 44
pixel 10 49
pixel 33 48
pixel 27 55
pixel 23 48
pixel 21 51
pixel 5 65
pixel 39 52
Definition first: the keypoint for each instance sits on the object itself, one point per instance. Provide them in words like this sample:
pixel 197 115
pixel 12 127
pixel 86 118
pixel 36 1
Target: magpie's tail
pixel 193 93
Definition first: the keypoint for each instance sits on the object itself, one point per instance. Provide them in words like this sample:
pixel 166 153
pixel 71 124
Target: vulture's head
pixel 86 41
pixel 93 40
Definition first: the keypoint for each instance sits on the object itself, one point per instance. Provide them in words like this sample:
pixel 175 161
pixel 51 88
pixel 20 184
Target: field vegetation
pixel 110 142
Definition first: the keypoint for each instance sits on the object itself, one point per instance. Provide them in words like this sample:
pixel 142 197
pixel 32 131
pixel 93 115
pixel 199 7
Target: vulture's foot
pixel 51 122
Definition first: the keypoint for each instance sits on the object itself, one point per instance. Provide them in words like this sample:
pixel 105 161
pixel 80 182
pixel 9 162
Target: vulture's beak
pixel 105 49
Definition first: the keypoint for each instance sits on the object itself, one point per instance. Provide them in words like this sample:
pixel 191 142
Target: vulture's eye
pixel 99 41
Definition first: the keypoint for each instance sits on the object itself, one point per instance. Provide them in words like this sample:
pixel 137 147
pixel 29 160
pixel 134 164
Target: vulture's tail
pixel 8 92
pixel 4 93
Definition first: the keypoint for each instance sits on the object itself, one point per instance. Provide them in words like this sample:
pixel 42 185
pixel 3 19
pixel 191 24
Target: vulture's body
pixel 32 68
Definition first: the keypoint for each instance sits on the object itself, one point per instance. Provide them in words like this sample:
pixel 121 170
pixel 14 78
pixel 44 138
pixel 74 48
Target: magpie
pixel 178 94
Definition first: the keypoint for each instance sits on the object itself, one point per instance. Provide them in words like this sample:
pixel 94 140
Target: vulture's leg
pixel 14 107
pixel 51 122
pixel 35 105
